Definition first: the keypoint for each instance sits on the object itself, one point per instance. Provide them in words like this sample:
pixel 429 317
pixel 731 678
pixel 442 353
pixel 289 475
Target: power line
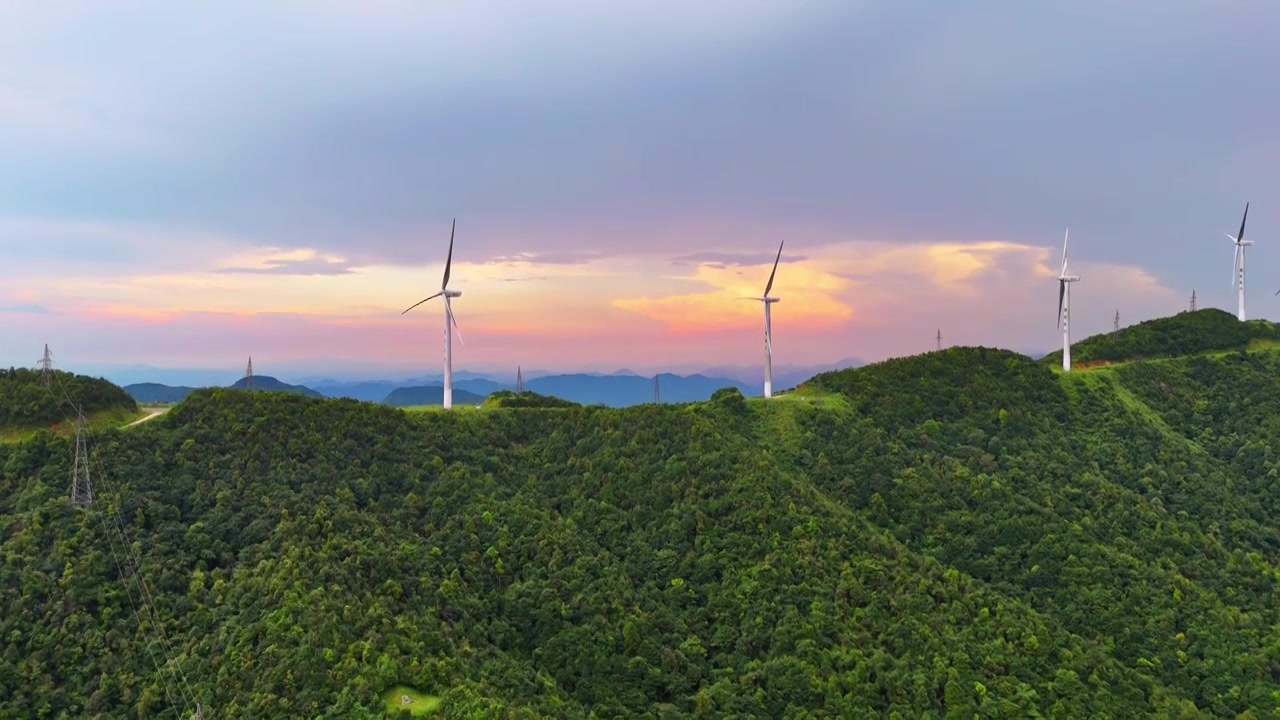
pixel 82 490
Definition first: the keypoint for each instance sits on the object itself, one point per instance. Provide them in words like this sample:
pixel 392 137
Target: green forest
pixel 964 533
pixel 30 401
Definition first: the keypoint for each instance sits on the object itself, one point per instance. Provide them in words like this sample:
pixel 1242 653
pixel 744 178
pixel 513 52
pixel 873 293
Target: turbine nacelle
pixel 451 293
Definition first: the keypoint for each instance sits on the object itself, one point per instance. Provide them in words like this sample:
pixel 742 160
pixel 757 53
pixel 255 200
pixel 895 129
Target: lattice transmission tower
pixel 46 366
pixel 519 381
pixel 939 339
pixel 1115 326
pixel 657 392
pixel 1193 301
pixel 248 375
pixel 81 485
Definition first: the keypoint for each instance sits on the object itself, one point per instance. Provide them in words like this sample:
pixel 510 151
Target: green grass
pixel 464 407
pixel 1255 345
pixel 812 397
pixel 1105 380
pixel 420 704
pixel 101 420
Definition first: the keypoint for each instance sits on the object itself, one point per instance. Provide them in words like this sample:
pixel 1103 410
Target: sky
pixel 186 185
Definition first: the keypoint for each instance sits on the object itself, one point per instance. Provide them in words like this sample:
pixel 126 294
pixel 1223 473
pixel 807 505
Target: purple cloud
pixel 310 266
pixel 722 260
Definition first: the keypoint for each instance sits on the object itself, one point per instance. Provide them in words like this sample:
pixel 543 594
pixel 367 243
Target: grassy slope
pixel 99 420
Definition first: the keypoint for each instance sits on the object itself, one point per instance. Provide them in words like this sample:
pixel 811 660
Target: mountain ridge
pixel 966 531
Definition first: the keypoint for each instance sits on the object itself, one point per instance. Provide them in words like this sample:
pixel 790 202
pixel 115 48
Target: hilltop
pixel 1186 333
pixel 152 393
pixel 27 404
pixel 962 532
pixel 266 382
pixel 429 395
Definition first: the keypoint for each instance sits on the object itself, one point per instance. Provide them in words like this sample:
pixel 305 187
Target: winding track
pixel 155 412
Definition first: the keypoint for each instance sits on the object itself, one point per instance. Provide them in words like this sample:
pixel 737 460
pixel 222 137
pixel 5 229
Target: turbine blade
pixel 769 286
pixel 1065 236
pixel 420 302
pixel 1242 221
pixel 448 308
pixel 448 263
pixel 1062 290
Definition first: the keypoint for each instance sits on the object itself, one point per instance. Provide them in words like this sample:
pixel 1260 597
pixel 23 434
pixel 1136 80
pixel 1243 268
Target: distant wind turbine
pixel 768 343
pixel 449 320
pixel 1237 270
pixel 1064 304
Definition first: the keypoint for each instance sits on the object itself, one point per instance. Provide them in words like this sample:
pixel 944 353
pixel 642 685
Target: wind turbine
pixel 1064 304
pixel 449 319
pixel 1237 270
pixel 768 344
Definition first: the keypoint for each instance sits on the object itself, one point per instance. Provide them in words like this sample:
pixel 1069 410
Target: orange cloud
pixel 802 284
pixel 828 286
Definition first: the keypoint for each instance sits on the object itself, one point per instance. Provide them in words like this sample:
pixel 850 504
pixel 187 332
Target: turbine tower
pixel 1064 305
pixel 1237 271
pixel 450 322
pixel 768 343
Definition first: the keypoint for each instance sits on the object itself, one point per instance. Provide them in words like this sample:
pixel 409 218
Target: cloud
pixel 567 257
pixel 722 260
pixel 307 266
pixel 25 308
pixel 589 145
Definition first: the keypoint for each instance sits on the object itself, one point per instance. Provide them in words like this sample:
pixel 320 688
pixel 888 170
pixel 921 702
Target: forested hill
pixel 26 402
pixel 266 382
pixel 964 532
pixel 1186 333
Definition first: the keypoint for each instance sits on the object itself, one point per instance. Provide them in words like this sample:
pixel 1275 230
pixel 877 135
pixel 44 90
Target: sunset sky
pixel 188 184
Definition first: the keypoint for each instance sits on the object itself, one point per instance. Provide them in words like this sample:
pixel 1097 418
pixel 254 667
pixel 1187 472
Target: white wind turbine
pixel 1064 304
pixel 1237 270
pixel 768 343
pixel 449 320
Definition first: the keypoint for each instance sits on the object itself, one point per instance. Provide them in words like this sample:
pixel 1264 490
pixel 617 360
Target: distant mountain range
pixel 148 393
pixel 617 389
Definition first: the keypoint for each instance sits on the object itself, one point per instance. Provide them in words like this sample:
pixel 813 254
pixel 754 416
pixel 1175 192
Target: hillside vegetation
pixel 429 395
pixel 966 532
pixel 26 403
pixel 1186 333
pixel 266 382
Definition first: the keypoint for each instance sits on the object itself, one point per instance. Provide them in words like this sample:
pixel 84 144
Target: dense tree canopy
pixel 965 532
pixel 26 401
pixel 1182 334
